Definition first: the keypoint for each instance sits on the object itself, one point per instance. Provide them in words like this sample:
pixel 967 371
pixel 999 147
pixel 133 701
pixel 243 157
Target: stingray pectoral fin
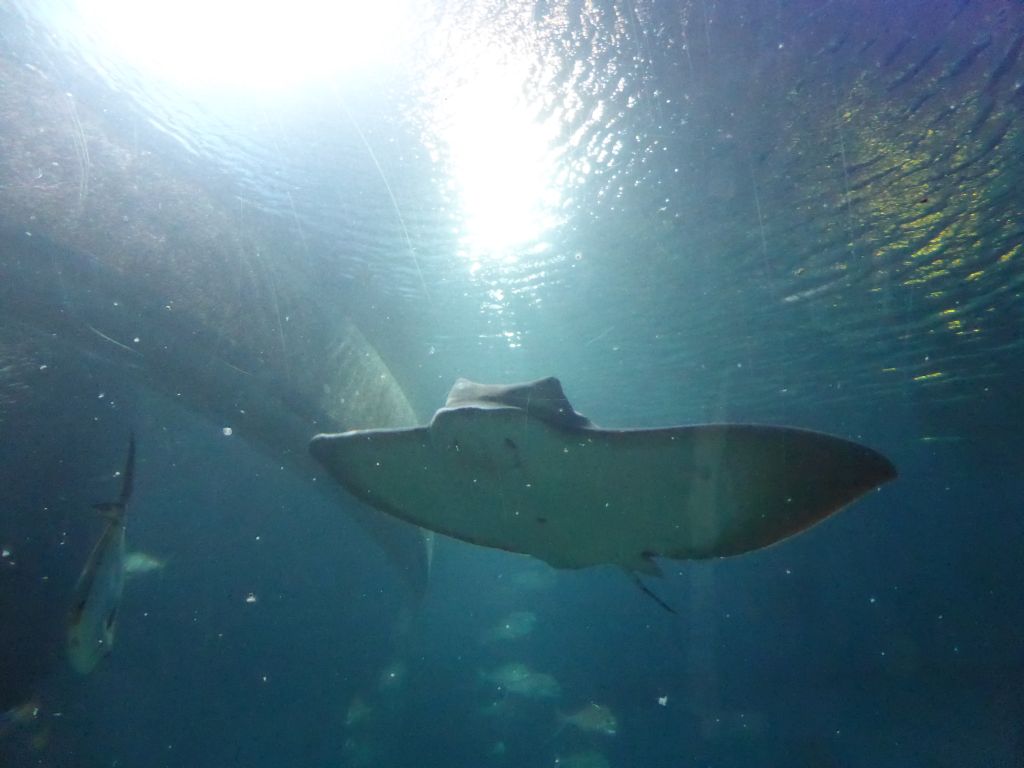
pixel 370 462
pixel 576 497
pixel 735 488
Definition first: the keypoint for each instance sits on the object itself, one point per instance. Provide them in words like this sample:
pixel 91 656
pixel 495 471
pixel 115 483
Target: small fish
pixel 19 715
pixel 592 718
pixel 93 618
pixel 517 624
pixel 520 680
pixel 358 712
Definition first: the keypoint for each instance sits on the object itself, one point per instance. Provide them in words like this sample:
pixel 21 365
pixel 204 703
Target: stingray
pixel 515 467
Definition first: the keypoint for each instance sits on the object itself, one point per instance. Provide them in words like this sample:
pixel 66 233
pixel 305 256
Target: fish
pixel 592 718
pixel 517 624
pixel 18 716
pixel 518 679
pixel 93 620
pixel 358 712
pixel 515 467
pixel 82 284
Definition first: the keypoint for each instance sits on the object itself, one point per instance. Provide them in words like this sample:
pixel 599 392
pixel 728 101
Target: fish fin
pixel 138 563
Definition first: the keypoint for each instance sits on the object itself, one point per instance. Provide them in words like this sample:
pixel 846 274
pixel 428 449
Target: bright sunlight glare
pixel 241 44
pixel 501 164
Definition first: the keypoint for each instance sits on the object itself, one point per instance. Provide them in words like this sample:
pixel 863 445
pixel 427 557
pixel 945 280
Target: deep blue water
pixel 800 213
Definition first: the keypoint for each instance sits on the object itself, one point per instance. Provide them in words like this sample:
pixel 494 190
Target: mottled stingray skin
pixel 517 468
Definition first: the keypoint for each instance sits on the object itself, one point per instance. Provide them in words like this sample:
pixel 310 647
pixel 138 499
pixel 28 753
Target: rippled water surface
pixel 795 197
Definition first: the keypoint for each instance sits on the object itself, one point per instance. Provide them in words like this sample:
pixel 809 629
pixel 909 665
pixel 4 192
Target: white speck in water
pixel 227 431
pixel 250 598
pixel 5 553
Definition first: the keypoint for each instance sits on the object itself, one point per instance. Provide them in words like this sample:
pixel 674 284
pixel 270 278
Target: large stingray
pixel 517 468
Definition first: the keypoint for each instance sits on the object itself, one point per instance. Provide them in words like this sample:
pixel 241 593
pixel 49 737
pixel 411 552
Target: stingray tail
pixel 647 591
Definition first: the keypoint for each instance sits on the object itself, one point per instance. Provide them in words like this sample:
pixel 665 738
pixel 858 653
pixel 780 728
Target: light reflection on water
pixel 723 190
